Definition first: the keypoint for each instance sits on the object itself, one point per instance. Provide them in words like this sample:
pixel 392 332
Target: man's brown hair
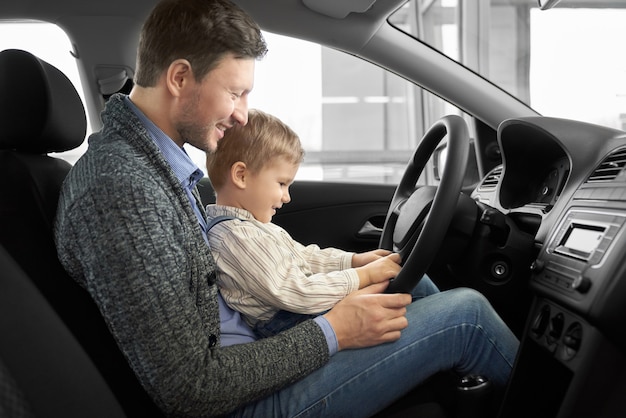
pixel 200 31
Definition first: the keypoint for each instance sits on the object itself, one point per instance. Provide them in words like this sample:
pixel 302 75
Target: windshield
pixel 567 62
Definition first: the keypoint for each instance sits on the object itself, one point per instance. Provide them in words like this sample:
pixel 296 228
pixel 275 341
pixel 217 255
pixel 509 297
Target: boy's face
pixel 268 189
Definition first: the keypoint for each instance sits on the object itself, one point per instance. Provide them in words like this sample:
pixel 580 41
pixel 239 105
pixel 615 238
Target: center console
pixel 571 355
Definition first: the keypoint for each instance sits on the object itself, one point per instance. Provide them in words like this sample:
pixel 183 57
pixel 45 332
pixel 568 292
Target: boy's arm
pixel 258 268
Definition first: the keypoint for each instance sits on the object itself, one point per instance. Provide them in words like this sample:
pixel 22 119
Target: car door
pixel 343 215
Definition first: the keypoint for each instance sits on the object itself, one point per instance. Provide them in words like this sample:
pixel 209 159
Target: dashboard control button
pixel 581 284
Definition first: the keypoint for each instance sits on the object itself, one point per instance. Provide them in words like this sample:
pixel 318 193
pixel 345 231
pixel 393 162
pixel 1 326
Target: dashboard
pixel 569 178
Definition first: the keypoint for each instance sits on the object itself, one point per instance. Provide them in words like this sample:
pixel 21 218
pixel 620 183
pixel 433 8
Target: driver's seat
pixel 43 370
pixel 41 113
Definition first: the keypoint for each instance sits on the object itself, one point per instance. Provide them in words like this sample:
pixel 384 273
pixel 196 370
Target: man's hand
pixel 368 317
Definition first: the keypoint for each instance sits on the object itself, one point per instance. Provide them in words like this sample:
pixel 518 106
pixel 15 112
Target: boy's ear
pixel 238 174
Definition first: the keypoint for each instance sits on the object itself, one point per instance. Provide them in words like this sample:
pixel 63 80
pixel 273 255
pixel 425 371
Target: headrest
pixel 40 110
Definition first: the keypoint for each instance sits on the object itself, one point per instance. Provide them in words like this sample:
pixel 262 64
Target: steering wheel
pixel 417 220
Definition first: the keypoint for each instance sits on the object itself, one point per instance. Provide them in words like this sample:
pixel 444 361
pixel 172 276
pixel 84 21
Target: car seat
pixel 41 113
pixel 44 372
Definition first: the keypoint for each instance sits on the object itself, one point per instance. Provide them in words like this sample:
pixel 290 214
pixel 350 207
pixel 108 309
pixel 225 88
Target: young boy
pixel 274 281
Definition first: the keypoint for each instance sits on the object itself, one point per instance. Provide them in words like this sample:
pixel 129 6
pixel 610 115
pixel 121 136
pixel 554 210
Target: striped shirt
pixel 261 269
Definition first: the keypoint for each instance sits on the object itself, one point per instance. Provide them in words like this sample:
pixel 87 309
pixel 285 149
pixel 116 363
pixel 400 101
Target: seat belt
pixel 217 220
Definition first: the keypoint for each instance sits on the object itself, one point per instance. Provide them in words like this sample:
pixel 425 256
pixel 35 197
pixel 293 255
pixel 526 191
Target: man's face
pixel 216 103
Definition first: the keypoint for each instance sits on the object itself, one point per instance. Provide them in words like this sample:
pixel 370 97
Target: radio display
pixel 583 239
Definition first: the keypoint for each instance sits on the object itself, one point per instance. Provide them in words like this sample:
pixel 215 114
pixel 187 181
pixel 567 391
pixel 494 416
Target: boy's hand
pixel 361 259
pixel 380 270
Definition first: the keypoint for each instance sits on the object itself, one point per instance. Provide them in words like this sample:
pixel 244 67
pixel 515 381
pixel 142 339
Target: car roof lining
pixel 338 9
pixel 360 33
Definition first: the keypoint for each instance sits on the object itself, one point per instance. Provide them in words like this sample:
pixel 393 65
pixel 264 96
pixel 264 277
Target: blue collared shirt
pixel 233 329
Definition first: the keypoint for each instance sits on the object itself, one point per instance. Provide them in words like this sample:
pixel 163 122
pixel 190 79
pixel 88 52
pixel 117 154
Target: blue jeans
pixel 452 330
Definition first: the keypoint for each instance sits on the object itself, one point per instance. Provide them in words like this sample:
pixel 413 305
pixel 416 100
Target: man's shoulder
pixel 111 169
pixel 105 160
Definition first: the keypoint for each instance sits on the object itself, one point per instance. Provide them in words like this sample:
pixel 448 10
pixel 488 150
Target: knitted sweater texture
pixel 126 231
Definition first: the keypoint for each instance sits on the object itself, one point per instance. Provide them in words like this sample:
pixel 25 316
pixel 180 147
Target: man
pixel 131 230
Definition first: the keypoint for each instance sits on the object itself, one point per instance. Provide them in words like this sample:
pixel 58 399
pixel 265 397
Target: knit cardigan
pixel 126 231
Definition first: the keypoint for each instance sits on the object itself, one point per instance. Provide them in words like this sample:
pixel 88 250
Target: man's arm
pixel 147 267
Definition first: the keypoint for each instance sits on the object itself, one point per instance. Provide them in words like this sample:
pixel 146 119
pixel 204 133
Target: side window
pixel 358 122
pixel 56 50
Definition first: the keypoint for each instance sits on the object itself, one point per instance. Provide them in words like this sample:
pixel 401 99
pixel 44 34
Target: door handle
pixel 369 230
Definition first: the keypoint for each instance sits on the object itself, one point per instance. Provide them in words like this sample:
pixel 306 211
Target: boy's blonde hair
pixel 263 139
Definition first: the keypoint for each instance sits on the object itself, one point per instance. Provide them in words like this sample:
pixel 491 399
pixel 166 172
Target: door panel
pixel 341 215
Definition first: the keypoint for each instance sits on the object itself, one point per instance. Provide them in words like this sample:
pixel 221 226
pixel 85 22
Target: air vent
pixel 610 168
pixel 491 180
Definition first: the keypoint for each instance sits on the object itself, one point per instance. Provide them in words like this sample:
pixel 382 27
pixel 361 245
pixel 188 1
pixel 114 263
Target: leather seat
pixel 44 372
pixel 41 113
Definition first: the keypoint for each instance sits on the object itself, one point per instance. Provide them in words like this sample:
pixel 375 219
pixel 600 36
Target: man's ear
pixel 178 76
pixel 239 174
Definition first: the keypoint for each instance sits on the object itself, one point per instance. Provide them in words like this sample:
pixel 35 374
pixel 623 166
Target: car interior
pixel 530 212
